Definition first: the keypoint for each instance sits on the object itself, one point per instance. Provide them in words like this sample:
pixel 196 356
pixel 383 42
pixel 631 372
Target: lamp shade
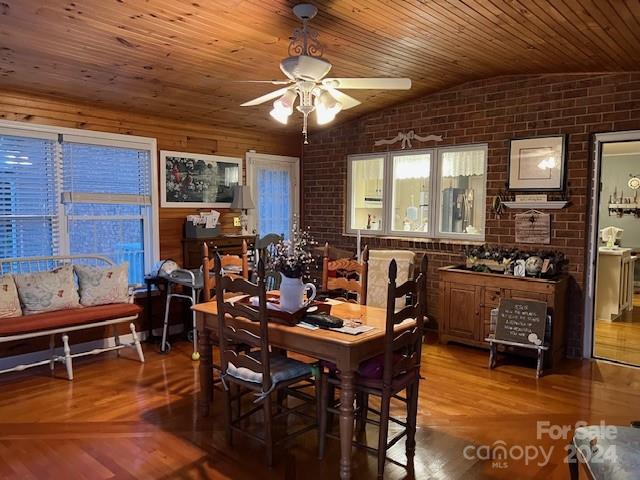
pixel 242 198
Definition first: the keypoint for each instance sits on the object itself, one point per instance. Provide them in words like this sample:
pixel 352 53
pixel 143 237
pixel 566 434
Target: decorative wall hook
pixel 406 139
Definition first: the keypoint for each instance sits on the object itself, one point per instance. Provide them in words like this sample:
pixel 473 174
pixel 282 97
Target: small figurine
pixel 519 270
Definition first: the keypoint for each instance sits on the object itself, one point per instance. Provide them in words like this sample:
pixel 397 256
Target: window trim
pixel 151 228
pixel 434 195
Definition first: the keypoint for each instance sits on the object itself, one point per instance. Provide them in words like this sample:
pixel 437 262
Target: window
pixel 367 193
pixel 28 200
pixel 437 193
pixel 97 196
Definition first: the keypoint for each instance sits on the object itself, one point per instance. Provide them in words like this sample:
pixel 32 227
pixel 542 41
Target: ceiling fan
pixel 306 72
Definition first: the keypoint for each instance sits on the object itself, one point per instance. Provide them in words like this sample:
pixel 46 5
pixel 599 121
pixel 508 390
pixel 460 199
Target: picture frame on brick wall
pixel 537 164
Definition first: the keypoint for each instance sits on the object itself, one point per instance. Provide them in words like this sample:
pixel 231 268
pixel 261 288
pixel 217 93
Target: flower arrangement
pixel 293 257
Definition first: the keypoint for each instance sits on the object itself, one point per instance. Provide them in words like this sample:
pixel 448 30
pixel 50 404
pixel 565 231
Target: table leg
pixel 206 371
pixel 346 423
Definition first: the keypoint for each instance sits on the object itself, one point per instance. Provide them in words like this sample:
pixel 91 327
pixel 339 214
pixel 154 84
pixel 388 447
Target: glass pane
pixel 411 192
pixel 26 237
pixel 274 201
pixel 462 191
pixel 367 181
pixel 119 240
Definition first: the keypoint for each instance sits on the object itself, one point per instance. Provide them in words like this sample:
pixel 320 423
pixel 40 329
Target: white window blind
pixel 28 195
pixel 107 197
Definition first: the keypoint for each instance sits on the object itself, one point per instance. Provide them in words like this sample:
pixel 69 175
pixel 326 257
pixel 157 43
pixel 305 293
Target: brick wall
pixel 488 111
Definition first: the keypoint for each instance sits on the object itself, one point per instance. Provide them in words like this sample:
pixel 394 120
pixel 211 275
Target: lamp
pixel 283 107
pixel 242 200
pixel 327 107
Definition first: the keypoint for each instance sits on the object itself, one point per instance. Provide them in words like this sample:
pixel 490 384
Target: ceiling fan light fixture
pixel 283 107
pixel 327 107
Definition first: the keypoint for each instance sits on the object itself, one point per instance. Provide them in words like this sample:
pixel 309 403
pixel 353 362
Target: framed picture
pixel 199 181
pixel 537 164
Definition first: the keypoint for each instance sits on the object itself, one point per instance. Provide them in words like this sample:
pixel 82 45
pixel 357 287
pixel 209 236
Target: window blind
pixel 28 196
pixel 107 197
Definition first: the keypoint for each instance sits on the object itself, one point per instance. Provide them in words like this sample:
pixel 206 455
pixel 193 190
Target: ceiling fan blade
pixel 347 101
pixel 272 82
pixel 265 98
pixel 368 83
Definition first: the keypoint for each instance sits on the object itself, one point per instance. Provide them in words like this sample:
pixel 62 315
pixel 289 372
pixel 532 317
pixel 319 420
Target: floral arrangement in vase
pixel 293 258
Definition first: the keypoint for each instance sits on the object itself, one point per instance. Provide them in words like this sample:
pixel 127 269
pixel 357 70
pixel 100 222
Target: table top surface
pixel 372 316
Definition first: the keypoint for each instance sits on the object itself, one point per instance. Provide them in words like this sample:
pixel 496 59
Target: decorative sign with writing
pixel 521 321
pixel 533 227
pixel 531 198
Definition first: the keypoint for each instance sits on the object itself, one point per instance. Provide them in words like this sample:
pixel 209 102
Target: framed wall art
pixel 196 180
pixel 537 164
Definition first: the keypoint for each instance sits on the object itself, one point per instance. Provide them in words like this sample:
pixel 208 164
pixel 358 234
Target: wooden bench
pixel 61 322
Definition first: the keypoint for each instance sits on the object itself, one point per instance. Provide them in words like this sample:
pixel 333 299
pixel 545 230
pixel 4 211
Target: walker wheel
pixel 166 348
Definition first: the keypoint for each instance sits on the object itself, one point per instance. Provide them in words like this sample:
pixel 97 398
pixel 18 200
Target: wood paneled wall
pixel 170 134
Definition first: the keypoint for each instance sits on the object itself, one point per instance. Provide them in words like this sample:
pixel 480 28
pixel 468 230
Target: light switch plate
pixel 236 222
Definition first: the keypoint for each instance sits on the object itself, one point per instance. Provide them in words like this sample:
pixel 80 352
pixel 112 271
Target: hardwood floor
pixel 120 419
pixel 620 340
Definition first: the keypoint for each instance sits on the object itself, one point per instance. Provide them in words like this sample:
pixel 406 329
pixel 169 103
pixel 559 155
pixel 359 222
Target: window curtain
pixel 406 167
pixel 274 201
pixel 463 163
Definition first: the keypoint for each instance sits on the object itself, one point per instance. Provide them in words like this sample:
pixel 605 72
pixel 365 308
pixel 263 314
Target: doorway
pixel 614 280
pixel 275 186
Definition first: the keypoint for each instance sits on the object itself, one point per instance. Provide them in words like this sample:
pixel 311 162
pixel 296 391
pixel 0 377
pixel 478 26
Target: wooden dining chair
pixel 265 249
pixel 235 264
pixel 256 370
pixel 388 374
pixel 345 276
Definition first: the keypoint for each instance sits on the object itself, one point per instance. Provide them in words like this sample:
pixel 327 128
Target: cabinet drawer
pixel 492 296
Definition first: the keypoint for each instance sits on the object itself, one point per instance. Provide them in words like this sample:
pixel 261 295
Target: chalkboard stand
pixel 493 351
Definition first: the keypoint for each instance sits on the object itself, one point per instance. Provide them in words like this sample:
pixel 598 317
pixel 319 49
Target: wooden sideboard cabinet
pixel 226 244
pixel 468 297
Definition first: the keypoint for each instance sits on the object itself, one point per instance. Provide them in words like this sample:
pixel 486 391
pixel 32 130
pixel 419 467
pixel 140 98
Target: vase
pixel 292 293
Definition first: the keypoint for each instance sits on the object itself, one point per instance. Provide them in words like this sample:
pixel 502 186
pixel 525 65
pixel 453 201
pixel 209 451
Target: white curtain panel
pixel 411 166
pixel 378 275
pixel 463 164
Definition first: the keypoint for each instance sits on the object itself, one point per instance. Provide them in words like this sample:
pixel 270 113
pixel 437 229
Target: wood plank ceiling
pixel 181 58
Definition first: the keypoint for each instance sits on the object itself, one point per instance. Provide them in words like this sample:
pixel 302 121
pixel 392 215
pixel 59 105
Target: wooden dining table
pixel 345 350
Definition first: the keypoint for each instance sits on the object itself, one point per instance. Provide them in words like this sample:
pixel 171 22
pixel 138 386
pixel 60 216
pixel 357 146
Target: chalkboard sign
pixel 521 321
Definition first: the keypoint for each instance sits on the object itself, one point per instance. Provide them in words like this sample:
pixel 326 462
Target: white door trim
pixel 276 160
pixel 592 239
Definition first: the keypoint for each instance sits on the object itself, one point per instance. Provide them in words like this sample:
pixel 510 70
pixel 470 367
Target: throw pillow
pixel 9 301
pixel 47 291
pixel 101 286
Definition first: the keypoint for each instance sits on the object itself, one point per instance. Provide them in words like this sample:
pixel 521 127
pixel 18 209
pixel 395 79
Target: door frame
pixel 592 233
pixel 277 160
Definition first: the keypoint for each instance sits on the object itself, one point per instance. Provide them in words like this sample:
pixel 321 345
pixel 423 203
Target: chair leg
pixel 268 438
pixel 67 356
pixel 194 300
pixel 574 468
pixel 363 406
pixel 228 414
pixel 324 404
pixel 136 342
pixel 385 402
pixel 412 413
pixel 318 387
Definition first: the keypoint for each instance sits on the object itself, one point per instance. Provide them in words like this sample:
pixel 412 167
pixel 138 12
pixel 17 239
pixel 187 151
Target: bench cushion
pixel 9 301
pixel 47 291
pixel 61 318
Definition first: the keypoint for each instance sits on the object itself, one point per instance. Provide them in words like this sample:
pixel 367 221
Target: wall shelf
pixel 551 205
